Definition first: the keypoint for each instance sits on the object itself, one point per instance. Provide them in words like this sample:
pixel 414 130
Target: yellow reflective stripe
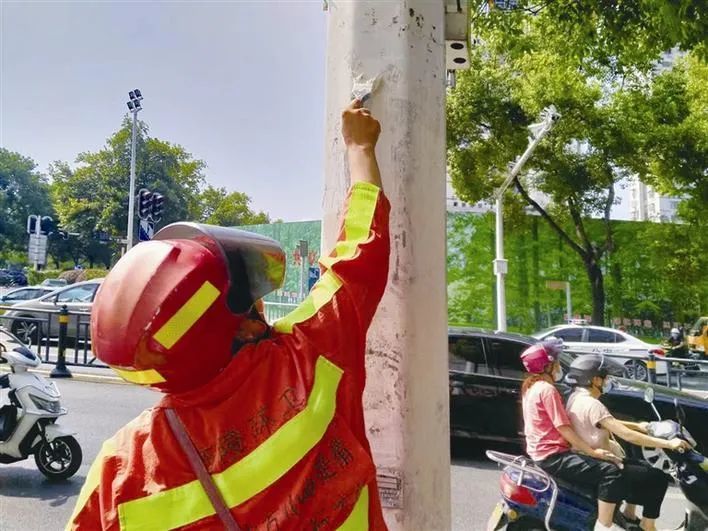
pixel 357 227
pixel 168 509
pixel 254 473
pixel 321 294
pixel 187 315
pixel 280 452
pixel 147 377
pixel 358 519
pixel 93 479
pixel 357 222
pixel 651 364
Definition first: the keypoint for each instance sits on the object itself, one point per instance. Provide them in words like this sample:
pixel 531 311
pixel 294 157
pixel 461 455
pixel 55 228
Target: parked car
pixel 78 299
pixel 12 277
pixel 485 391
pixel 624 347
pixel 54 282
pixel 17 295
pixel 698 337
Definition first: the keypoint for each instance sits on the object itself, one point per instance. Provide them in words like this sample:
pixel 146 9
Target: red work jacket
pixel 280 430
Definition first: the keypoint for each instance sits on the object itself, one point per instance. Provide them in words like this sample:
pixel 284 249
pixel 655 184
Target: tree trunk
pixel 597 288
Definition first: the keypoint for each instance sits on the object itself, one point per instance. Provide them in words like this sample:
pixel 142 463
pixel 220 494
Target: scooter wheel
pixel 59 459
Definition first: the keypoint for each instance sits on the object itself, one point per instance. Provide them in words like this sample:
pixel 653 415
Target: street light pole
pixel 549 116
pixel 134 106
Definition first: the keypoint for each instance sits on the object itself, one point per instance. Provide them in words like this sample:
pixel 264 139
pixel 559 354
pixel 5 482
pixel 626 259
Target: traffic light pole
pixel 131 197
pixel 38 233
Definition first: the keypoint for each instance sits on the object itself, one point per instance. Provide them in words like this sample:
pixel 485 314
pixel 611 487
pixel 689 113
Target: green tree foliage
pixel 656 273
pixel 23 192
pixel 583 57
pixel 620 33
pixel 93 196
pixel 667 126
pixel 219 207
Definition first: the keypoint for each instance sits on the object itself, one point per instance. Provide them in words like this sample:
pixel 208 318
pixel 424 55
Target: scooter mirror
pixel 649 395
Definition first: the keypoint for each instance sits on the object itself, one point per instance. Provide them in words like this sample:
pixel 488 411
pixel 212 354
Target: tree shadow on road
pixel 19 482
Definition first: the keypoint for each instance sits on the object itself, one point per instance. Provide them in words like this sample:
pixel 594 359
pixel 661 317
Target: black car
pixel 485 390
pixel 12 277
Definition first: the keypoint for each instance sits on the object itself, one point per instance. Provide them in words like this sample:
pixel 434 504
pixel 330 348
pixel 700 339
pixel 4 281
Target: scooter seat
pixel 586 492
pixel 8 421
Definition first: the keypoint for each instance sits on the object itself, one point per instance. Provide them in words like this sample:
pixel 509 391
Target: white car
pixel 624 347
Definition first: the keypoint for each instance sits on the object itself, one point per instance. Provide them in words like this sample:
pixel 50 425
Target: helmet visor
pixel 255 263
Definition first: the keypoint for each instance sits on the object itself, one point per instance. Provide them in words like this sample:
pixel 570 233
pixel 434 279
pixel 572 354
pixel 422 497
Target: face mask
pixel 558 375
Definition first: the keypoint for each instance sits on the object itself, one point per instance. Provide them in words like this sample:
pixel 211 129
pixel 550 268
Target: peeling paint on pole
pixel 406 399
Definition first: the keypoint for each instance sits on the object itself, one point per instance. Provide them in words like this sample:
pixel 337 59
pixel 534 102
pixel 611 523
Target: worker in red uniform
pixel 259 428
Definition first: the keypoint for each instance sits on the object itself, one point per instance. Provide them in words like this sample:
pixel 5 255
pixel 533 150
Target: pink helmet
pixel 539 356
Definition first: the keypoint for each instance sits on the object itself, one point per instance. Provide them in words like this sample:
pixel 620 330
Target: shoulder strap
pixel 198 467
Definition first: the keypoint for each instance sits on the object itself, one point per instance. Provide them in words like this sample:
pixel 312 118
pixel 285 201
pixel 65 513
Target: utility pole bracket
pixel 457 34
pixel 501 266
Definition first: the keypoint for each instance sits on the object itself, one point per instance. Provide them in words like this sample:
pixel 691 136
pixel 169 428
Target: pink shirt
pixel 544 413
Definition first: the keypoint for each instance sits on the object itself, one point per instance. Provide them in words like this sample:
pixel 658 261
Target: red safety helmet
pixel 538 357
pixel 167 313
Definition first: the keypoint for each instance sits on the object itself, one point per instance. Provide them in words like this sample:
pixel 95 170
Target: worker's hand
pixel 359 128
pixel 644 427
pixel 679 445
pixel 604 455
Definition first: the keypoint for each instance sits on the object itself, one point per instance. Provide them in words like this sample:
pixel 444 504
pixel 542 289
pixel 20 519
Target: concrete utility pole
pixel 406 398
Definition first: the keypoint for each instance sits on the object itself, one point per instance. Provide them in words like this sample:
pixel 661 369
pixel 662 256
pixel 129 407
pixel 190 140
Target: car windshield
pixel 82 293
pixel 698 326
pixel 54 282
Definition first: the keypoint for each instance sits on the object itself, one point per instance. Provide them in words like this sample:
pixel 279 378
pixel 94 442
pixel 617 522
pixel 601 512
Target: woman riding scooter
pixel 591 375
pixel 551 440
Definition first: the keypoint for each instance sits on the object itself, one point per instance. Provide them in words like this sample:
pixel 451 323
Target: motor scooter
pixel 532 500
pixel 28 423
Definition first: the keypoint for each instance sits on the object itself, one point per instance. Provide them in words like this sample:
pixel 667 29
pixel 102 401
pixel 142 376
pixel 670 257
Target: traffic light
pixel 101 236
pixel 32 224
pixel 145 198
pixel 158 206
pixel 47 225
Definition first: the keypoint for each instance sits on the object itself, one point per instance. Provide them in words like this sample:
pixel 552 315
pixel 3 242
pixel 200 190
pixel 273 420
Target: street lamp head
pixel 131 107
pixel 131 95
pixel 550 113
pixel 138 94
pixel 137 105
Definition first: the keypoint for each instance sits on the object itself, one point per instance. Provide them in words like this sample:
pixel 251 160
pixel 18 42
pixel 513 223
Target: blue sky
pixel 238 84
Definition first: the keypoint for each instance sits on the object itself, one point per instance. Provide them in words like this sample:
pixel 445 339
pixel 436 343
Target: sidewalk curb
pixel 79 376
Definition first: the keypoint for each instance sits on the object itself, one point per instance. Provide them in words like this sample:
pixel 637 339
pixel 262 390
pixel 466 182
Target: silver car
pixel 78 299
pixel 18 295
